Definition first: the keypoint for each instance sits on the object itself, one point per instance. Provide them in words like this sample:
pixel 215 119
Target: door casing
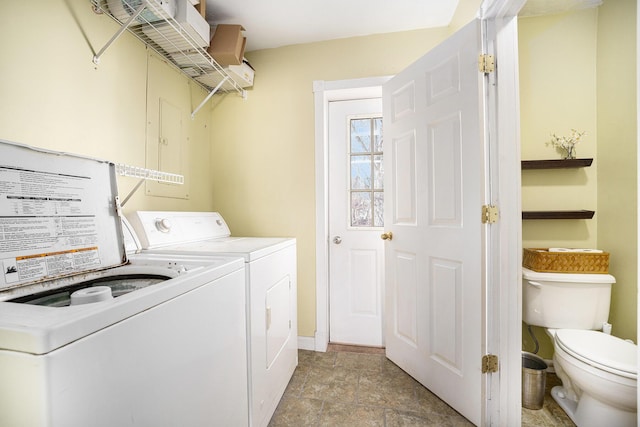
pixel 325 92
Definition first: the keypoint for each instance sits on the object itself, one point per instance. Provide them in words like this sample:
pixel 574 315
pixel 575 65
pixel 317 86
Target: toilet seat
pixel 600 350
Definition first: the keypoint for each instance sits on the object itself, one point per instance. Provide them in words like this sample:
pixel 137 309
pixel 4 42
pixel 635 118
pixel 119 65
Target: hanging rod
pixel 146 174
pixel 138 172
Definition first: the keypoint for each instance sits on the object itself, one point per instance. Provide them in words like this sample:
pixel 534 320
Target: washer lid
pixel 606 352
pixel 58 216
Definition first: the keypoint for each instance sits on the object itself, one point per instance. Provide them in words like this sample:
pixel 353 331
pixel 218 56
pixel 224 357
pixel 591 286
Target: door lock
pixel 337 240
pixel 386 236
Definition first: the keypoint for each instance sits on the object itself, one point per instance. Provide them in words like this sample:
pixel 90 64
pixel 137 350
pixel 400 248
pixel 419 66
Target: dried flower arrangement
pixel 567 143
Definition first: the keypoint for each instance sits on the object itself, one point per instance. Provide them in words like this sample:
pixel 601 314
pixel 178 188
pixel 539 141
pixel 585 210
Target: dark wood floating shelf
pixel 557 214
pixel 556 164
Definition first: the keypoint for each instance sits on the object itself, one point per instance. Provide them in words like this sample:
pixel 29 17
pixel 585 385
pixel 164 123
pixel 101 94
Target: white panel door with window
pixel 356 201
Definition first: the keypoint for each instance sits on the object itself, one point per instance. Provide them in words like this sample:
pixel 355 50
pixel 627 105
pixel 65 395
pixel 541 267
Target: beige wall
pixel 558 93
pixel 263 160
pixel 54 96
pixel 577 70
pixel 617 157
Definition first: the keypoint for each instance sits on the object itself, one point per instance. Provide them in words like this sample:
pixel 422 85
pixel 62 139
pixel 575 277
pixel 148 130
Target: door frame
pixel 325 92
pixel 503 317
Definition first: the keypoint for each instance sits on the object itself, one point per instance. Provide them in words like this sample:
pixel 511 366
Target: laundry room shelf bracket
pixel 204 101
pixel 116 36
pixel 146 174
pixel 159 31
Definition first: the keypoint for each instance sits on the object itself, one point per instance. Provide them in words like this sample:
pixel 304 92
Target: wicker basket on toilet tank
pixel 544 261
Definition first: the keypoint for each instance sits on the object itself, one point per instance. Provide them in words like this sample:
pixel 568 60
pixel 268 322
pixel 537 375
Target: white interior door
pixel 356 203
pixel 434 179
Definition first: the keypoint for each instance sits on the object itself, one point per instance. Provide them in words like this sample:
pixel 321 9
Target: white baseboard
pixel 306 343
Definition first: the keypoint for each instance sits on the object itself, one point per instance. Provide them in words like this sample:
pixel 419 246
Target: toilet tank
pixel 566 300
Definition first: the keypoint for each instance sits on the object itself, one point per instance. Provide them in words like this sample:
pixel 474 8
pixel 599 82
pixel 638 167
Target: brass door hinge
pixel 486 63
pixel 489 363
pixel 489 214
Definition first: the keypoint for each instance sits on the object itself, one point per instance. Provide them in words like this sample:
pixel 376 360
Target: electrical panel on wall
pixel 168 130
pixel 170 154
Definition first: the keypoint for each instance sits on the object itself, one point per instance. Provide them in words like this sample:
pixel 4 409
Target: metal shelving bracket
pixel 96 57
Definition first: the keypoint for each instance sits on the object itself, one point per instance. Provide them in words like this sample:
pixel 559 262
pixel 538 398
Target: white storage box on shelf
pixel 190 20
pixel 193 22
pixel 125 9
pixel 191 59
pixel 243 74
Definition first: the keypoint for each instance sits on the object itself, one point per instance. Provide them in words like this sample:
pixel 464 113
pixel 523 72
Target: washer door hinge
pixel 116 202
pixel 489 214
pixel 486 63
pixel 489 363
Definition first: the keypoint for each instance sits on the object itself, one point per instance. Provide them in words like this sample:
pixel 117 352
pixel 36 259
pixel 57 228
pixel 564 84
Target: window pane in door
pixel 377 134
pixel 361 135
pixel 360 172
pixel 378 209
pixel 366 172
pixel 378 172
pixel 361 209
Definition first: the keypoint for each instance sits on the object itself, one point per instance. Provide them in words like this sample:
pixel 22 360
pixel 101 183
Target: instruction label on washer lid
pixel 55 217
pixel 45 226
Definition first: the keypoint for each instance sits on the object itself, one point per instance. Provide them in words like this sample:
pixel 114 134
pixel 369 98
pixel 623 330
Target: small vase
pixel 571 152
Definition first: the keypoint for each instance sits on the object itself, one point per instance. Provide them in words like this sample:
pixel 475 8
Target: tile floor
pixel 360 387
pixel 551 414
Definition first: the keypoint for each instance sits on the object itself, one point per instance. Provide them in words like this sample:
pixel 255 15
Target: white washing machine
pixel 271 282
pixel 91 337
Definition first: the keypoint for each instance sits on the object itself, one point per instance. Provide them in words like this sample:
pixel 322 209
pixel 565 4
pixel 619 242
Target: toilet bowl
pixel 598 371
pixel 599 378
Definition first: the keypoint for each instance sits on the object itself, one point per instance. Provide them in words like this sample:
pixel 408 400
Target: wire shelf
pixel 154 26
pixel 142 173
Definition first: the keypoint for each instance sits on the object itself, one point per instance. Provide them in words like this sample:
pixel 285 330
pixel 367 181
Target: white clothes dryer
pixel 271 285
pixel 90 335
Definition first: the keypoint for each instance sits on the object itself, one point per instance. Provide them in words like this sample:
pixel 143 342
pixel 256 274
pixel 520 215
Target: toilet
pixel 598 371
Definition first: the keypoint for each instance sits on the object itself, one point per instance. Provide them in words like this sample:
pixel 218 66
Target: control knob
pixel 163 225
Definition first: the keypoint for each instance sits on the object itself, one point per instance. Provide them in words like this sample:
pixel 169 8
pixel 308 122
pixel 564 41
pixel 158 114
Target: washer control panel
pixel 162 228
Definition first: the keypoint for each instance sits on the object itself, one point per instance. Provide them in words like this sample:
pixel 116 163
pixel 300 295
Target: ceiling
pixel 276 23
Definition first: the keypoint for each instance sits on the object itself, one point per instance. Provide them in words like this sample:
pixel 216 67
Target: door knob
pixel 337 240
pixel 386 236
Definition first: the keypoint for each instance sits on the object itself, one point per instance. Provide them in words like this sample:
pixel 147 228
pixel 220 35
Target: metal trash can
pixel 534 378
